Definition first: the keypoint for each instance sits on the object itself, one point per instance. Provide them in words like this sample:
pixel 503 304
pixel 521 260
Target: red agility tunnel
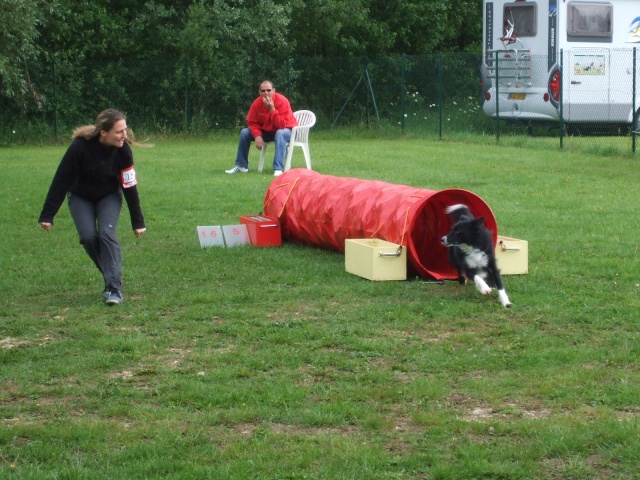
pixel 324 211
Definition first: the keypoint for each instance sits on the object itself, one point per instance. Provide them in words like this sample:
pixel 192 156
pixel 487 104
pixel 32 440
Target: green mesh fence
pixel 438 95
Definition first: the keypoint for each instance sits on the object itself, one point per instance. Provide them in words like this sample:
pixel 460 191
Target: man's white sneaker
pixel 237 170
pixel 277 173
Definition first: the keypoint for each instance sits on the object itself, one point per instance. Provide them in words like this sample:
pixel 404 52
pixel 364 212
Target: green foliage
pixel 229 45
pixel 418 27
pixel 338 28
pixel 88 47
pixel 229 52
pixel 19 21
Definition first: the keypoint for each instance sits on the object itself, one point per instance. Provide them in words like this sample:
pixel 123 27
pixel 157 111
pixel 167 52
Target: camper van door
pixel 586 94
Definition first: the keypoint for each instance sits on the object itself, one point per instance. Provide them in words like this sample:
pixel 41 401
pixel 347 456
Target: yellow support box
pixel 512 255
pixel 375 259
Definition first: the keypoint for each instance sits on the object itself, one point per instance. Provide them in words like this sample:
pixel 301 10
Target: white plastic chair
pixel 299 138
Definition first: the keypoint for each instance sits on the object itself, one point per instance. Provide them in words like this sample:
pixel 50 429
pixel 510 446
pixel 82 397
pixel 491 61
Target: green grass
pixel 275 363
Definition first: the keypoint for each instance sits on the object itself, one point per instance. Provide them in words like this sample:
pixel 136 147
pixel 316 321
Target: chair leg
pixel 307 155
pixel 263 153
pixel 287 163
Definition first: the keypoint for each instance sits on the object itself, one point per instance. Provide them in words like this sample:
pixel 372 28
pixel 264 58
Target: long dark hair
pixel 105 120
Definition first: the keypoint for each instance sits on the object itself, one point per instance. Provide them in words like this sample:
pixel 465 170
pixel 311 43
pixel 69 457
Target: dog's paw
pixel 481 285
pixel 504 300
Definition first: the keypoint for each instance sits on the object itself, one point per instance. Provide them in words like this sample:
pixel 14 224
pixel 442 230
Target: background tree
pixel 381 27
pixel 230 47
pixel 337 28
pixel 198 62
pixel 19 21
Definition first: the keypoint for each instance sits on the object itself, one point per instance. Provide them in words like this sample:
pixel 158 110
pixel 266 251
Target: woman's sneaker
pixel 115 298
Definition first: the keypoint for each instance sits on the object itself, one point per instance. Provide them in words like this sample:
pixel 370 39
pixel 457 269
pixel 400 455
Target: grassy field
pixel 275 363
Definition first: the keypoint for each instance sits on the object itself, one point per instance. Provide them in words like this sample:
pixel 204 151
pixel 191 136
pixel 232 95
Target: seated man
pixel 270 119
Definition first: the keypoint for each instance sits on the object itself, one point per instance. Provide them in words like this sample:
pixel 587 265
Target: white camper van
pixel 527 43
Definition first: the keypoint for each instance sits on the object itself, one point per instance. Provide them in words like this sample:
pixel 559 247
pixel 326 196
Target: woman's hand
pixel 45 225
pixel 139 231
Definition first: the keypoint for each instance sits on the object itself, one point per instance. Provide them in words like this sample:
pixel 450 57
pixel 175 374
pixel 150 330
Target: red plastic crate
pixel 263 231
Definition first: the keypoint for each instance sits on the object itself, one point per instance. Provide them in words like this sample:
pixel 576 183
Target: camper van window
pixel 521 19
pixel 590 19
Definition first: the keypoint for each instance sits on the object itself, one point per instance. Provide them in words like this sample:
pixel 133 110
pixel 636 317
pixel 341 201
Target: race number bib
pixel 128 177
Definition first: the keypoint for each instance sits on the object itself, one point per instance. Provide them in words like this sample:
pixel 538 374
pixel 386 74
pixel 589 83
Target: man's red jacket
pixel 260 119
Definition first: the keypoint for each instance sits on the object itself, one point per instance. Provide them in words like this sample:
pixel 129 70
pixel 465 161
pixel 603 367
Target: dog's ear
pixel 477 222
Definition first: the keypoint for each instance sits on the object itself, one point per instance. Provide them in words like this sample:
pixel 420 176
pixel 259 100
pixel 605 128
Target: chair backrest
pixel 305 118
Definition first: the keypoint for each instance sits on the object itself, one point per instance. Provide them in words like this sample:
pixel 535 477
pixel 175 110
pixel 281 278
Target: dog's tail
pixel 458 211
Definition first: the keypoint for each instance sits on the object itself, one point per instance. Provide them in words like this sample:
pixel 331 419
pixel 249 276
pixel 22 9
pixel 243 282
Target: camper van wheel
pixel 636 122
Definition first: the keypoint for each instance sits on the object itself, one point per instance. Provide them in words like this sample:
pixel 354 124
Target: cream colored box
pixel 375 259
pixel 512 255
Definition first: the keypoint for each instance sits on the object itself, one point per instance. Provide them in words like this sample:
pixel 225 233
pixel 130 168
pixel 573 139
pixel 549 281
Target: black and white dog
pixel 471 252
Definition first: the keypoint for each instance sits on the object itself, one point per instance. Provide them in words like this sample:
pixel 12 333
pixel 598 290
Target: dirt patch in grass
pixel 249 429
pixel 9 342
pixel 123 374
pixel 473 410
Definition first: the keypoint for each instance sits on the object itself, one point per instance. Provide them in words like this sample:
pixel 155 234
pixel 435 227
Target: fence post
pixel 288 75
pixel 561 88
pixel 635 121
pixel 497 97
pixel 403 92
pixel 187 102
pixel 366 70
pixel 55 102
pixel 440 94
